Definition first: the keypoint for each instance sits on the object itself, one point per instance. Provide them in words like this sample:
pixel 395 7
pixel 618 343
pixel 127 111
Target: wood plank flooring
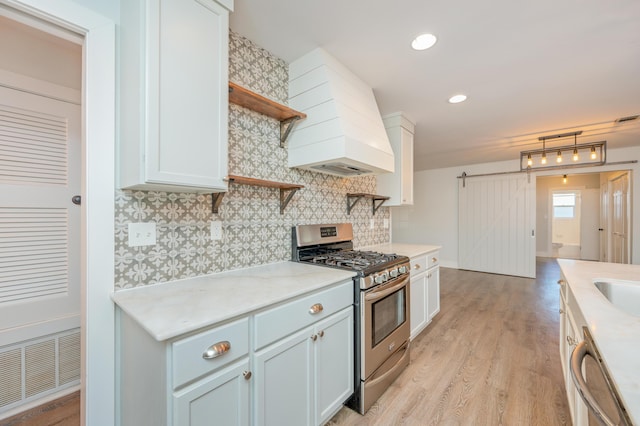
pixel 490 357
pixel 63 411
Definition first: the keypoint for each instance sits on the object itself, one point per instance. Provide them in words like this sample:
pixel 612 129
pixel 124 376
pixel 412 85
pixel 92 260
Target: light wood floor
pixel 490 357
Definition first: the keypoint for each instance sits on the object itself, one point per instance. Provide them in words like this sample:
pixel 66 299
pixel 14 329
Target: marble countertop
pixel 616 333
pixel 173 308
pixel 410 250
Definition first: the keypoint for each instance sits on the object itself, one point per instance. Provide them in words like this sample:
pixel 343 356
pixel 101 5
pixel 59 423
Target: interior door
pixel 604 221
pixel 40 168
pixel 496 220
pixel 619 219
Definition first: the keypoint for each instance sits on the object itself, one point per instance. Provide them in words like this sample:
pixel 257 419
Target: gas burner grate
pixel 350 259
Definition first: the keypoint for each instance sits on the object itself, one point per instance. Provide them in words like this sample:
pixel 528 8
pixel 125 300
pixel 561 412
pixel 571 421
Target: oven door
pixel 385 311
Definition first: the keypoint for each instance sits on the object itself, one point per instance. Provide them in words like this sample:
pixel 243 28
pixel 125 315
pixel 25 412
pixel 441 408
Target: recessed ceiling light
pixel 457 99
pixel 423 41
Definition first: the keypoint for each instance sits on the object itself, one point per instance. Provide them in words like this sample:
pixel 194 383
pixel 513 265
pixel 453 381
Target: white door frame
pixel 98 174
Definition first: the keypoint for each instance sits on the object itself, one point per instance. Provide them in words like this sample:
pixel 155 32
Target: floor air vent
pixel 33 369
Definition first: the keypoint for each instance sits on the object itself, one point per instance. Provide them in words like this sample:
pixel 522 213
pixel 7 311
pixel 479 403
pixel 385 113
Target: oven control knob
pixel 402 269
pixel 379 279
pixel 393 272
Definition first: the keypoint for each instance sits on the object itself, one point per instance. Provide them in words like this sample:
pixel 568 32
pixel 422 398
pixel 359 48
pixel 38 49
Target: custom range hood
pixel 343 133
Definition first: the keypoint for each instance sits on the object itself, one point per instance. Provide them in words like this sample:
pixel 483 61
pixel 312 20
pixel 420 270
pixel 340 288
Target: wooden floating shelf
pixel 379 199
pixel 255 102
pixel 286 190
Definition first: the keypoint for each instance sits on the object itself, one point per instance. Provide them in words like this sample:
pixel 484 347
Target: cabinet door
pixel 406 173
pixel 189 106
pixel 334 376
pixel 222 398
pixel 563 334
pixel 283 381
pixel 433 296
pixel 418 304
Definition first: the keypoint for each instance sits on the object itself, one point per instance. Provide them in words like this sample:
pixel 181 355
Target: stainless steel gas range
pixel 381 303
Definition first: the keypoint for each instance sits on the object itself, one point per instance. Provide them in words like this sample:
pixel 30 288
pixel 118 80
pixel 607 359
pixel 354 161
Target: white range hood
pixel 343 133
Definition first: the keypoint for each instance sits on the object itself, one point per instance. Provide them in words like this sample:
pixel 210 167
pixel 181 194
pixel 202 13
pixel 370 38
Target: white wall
pixel 433 219
pixel 107 8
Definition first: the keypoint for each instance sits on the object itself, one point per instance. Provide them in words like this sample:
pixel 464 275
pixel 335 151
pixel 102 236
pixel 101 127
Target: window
pixel 564 205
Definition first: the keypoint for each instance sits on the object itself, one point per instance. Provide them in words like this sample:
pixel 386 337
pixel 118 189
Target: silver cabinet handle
pixel 561 311
pixel 216 350
pixel 314 337
pixel 321 334
pixel 246 375
pixel 561 282
pixel 571 341
pixel 417 266
pixel 316 308
pixel 434 259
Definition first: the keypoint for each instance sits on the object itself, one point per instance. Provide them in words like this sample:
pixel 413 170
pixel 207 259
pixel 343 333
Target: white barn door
pixel 496 221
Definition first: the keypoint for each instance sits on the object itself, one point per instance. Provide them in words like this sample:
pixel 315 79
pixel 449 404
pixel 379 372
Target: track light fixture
pixel 594 153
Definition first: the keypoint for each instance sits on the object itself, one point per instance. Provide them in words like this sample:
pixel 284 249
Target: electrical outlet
pixel 385 223
pixel 372 223
pixel 142 234
pixel 216 230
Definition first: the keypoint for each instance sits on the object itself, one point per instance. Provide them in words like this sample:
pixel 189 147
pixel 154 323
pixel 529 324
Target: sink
pixel 625 295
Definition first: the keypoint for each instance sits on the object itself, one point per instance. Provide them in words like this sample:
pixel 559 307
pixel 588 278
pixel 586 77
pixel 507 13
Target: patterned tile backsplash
pixel 254 231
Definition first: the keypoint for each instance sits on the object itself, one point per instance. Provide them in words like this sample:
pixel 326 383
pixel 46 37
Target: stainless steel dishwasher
pixel 596 387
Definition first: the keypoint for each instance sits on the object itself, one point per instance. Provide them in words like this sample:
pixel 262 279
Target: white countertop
pixel 170 309
pixel 410 250
pixel 616 333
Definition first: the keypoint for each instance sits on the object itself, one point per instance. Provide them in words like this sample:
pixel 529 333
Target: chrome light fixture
pixel 582 155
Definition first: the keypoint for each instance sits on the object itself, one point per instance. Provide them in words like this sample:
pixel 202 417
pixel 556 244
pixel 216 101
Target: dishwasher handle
pixel 577 356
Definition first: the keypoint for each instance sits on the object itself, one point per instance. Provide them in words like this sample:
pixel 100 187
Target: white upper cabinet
pixel 174 57
pixel 399 184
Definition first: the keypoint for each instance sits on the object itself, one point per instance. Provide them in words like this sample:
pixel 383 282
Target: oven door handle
pixel 383 292
pixel 577 356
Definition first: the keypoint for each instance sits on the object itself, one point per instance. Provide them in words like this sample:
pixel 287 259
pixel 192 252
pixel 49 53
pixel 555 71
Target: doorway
pixel 40 226
pixel 97 211
pixel 584 216
pixel 566 209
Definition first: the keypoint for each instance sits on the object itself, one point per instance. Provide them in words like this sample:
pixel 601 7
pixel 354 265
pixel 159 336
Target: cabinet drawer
pixel 419 264
pixel 433 259
pixel 188 362
pixel 283 320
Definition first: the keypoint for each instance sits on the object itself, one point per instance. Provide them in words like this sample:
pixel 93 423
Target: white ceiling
pixel 529 68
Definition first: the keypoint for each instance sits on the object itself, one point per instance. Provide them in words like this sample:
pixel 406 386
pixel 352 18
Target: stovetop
pixel 352 259
pixel 331 245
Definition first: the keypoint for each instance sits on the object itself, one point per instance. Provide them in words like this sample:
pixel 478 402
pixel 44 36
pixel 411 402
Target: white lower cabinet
pixel 425 291
pixel 419 300
pixel 570 336
pixel 433 290
pixel 183 381
pixel 305 378
pixel 225 394
pixel 291 364
pixel 333 372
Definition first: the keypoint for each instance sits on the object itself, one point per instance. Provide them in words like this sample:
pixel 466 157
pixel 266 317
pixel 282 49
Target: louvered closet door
pixel 40 168
pixel 496 225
